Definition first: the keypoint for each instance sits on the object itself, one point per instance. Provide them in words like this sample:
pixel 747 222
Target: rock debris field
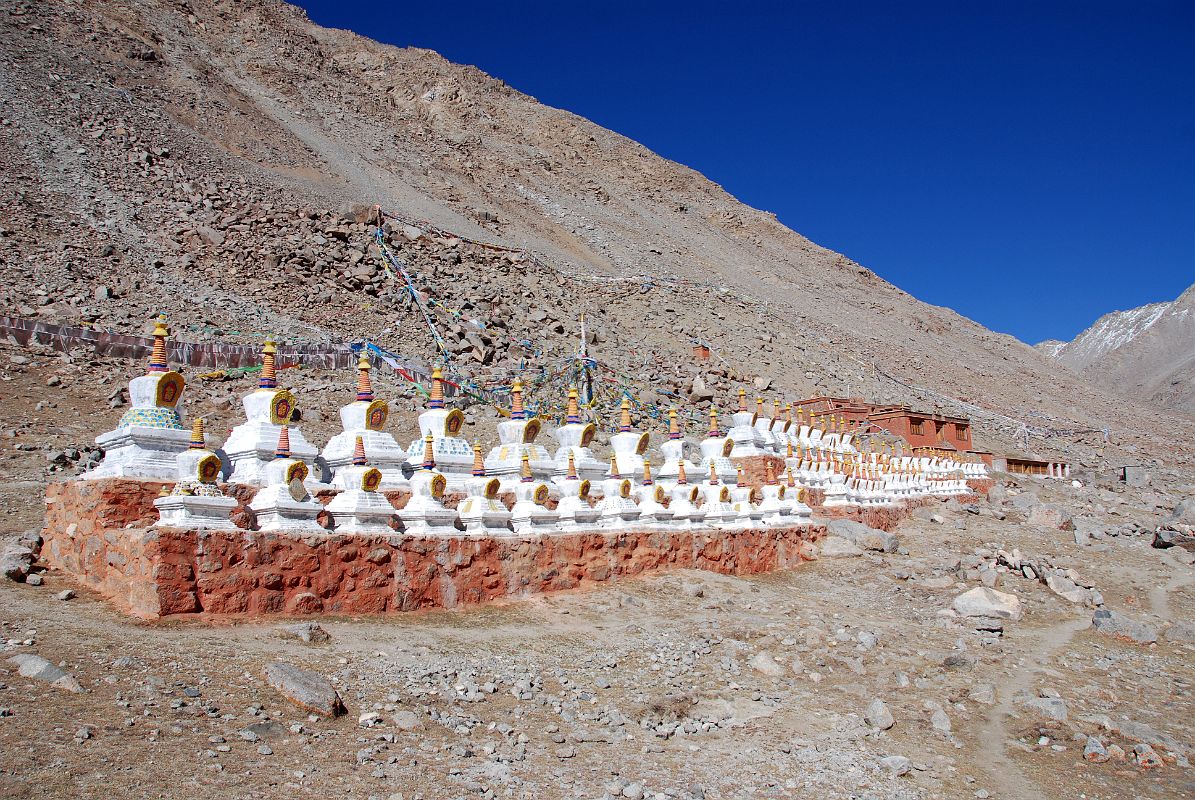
pixel 1032 645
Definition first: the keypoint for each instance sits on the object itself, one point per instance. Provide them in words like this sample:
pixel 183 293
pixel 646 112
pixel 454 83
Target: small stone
pixel 1094 751
pixel 310 632
pixel 265 750
pixel 369 719
pixel 406 720
pixel 878 716
pixel 66 594
pixel 984 602
pixel 897 765
pixel 84 733
pixel 34 580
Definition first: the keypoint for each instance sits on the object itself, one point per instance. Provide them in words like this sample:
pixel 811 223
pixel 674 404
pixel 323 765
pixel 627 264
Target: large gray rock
pixel 1051 516
pixel 984 602
pixel 310 632
pixel 1048 707
pixel 1025 501
pixel 1067 589
pixel 764 664
pixel 304 688
pixel 1184 512
pixel 1180 632
pixel 1113 623
pixel 862 536
pixel 837 547
pixel 39 669
pixel 15 562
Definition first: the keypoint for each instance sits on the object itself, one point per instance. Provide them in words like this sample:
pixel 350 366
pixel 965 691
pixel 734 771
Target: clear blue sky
pixel 1030 165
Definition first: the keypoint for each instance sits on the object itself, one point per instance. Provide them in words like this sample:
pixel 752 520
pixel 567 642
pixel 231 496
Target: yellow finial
pixel 364 385
pixel 574 412
pixel 714 432
pixel 516 402
pixel 673 425
pixel 198 442
pixel 742 400
pixel 624 417
pixel 681 477
pixel 572 466
pixel 429 453
pixel 269 367
pixel 525 468
pixel 614 466
pixel 646 471
pixel 436 399
pixel 478 462
pixel 157 357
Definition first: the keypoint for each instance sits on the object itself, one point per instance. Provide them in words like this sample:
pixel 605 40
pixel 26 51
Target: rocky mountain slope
pixel 219 161
pixel 1147 353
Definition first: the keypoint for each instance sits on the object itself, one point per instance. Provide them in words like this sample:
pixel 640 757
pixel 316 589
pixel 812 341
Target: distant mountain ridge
pixel 1146 352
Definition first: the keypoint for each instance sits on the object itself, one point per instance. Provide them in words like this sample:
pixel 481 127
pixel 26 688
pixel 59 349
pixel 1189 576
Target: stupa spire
pixel 525 469
pixel 769 473
pixel 647 481
pixel 436 398
pixel 429 454
pixel 516 401
pixel 364 385
pixel 624 416
pixel 269 367
pixel 673 425
pixel 478 462
pixel 681 476
pixel 572 467
pixel 574 413
pixel 198 440
pixel 157 357
pixel 283 449
pixel 359 452
pixel 614 466
pixel 743 400
pixel 714 433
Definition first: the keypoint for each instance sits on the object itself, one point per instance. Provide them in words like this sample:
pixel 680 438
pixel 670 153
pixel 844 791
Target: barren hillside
pixel 219 160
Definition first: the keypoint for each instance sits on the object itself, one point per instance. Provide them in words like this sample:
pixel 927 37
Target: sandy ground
pixel 578 695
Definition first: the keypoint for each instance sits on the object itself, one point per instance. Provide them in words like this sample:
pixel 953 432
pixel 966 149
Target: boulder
pixel 1067 589
pixel 1025 501
pixel 1053 708
pixel 306 689
pixel 15 562
pixel 309 632
pixel 984 602
pixel 837 547
pixel 1051 516
pixel 1113 623
pixel 39 669
pixel 862 536
pixel 1180 632
pixel 1184 512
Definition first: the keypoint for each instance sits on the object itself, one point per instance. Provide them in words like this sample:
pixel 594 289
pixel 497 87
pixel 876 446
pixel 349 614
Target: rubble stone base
pixel 158 572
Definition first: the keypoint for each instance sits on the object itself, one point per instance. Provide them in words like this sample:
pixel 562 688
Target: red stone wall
pixel 158 572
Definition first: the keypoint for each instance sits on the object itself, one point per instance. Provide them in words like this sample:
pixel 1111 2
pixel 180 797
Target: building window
pixel 915 427
pixel 962 432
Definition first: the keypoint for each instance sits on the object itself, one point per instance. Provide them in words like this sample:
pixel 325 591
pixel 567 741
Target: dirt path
pixel 1159 596
pixel 992 754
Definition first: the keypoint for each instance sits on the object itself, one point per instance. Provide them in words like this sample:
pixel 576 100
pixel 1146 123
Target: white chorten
pixel 196 502
pixel 575 437
pixel 716 448
pixel 453 456
pixel 628 446
pixel 616 508
pixel 748 441
pixel 251 445
pixel 425 514
pixel 517 437
pixel 481 512
pixel 360 507
pixel 529 515
pixel 365 419
pixel 284 504
pixel 150 435
pixel 673 450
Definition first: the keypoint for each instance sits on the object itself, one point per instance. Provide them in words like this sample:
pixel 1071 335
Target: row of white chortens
pixel 269 451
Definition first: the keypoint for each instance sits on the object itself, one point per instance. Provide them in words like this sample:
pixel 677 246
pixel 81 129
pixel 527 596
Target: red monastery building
pixel 922 430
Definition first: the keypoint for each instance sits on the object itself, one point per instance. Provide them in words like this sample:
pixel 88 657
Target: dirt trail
pixel 1159 596
pixel 992 755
